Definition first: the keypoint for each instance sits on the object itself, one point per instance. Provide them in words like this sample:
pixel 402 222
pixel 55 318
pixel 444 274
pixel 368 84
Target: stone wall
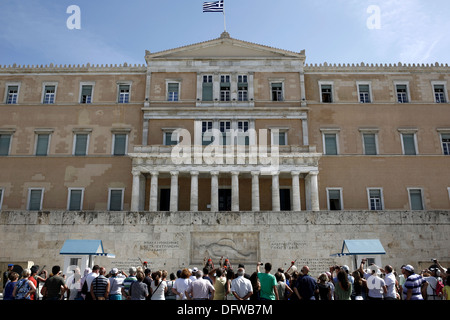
pixel 174 240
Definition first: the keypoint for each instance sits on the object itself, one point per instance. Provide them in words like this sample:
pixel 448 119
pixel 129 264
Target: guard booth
pixel 81 253
pixel 370 249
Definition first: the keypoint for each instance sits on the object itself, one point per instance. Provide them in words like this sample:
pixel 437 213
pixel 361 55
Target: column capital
pixel 154 173
pixel 174 173
pixel 256 173
pixel 214 173
pixel 314 173
pixel 136 172
pixel 235 173
pixel 194 173
pixel 275 173
pixel 295 173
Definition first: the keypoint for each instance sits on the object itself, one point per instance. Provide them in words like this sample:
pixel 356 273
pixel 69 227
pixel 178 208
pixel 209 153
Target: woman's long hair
pixel 343 280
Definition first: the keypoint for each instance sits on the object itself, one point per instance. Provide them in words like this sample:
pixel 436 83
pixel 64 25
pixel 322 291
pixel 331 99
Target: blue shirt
pixel 306 285
pixel 414 282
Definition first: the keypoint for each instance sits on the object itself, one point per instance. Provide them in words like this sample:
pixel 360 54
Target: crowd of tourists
pixel 226 282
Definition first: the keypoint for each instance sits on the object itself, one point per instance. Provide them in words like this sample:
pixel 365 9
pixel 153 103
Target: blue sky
pixel 35 32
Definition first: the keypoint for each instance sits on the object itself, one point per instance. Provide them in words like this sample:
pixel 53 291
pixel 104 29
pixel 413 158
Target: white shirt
pixel 89 278
pixel 241 286
pixel 389 279
pixel 375 285
pixel 181 285
pixel 158 292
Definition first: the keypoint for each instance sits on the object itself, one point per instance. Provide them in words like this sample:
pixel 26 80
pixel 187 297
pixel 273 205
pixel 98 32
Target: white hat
pixel 408 267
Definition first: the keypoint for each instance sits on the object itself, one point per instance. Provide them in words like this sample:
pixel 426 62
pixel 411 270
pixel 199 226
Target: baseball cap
pixel 408 267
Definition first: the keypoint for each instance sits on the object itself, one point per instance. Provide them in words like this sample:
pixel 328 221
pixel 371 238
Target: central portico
pixel 223 120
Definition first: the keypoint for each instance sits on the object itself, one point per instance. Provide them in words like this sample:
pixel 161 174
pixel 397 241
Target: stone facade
pixel 175 240
pixel 220 143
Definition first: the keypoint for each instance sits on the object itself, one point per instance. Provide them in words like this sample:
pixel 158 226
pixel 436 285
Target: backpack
pixel 439 288
pixel 22 289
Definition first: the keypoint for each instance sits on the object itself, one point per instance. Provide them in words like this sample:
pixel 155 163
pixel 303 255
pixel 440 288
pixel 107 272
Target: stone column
pixel 296 204
pixel 154 191
pixel 174 191
pixel 255 191
pixel 275 191
pixel 214 191
pixel 135 191
pixel 235 191
pixel 194 190
pixel 314 190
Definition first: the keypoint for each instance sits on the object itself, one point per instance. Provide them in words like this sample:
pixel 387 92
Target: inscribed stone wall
pixel 175 240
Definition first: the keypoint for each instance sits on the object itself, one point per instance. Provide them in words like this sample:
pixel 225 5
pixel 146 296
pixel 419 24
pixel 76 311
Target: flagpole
pixel 224 18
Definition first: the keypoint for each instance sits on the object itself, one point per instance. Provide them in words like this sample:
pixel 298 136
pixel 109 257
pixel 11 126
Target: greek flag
pixel 215 6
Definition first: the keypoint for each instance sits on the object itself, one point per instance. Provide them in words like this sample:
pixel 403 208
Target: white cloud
pixel 42 31
pixel 411 30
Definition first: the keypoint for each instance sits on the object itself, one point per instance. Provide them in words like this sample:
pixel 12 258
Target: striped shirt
pixel 99 285
pixel 414 282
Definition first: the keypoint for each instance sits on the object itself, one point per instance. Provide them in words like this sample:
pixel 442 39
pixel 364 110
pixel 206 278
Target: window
pixel 370 143
pixel 416 199
pixel 242 88
pixel 375 199
pixel 334 197
pixel 402 93
pixel 279 137
pixel 277 91
pixel 86 93
pixel 120 144
pixel 409 143
pixel 12 94
pixel 326 93
pixel 75 199
pixel 330 142
pixel 364 93
pixel 49 94
pixel 445 139
pixel 173 91
pixel 35 197
pixel 170 138
pixel 243 138
pixel 5 144
pixel 207 88
pixel 225 88
pixel 207 137
pixel 81 142
pixel 115 200
pixel 124 93
pixel 42 144
pixel 225 128
pixel 440 95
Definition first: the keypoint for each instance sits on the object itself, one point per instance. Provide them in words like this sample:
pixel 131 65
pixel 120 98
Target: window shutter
pixel 115 203
pixel 120 144
pixel 370 144
pixel 86 90
pixel 416 199
pixel 408 144
pixel 207 91
pixel 81 144
pixel 35 200
pixel 5 140
pixel 364 88
pixel 42 145
pixel 330 144
pixel 75 200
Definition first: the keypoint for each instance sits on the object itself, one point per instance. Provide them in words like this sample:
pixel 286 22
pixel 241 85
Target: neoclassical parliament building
pixel 225 125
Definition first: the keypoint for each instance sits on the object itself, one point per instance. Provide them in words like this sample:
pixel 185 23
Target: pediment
pixel 222 48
